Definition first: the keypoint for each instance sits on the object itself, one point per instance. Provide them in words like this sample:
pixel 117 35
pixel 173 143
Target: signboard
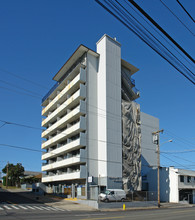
pixel 155 138
pixel 90 179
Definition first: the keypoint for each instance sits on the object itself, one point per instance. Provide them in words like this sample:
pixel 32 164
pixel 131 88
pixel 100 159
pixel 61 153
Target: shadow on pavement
pixel 27 197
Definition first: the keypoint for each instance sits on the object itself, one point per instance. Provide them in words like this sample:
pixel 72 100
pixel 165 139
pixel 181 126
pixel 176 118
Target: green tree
pixel 15 172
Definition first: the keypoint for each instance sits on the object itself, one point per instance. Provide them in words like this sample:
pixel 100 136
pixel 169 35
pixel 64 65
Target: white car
pixel 113 195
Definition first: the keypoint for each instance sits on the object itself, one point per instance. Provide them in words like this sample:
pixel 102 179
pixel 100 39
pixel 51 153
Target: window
pixel 189 179
pixel 182 179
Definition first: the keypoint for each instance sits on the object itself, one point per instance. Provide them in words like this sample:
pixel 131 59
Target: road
pixel 16 207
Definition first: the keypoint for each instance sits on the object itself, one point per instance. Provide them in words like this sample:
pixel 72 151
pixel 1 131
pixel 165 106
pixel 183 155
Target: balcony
pixel 70 117
pixel 60 84
pixel 78 174
pixel 73 130
pixel 74 160
pixel 74 145
pixel 69 89
pixel 129 80
pixel 74 100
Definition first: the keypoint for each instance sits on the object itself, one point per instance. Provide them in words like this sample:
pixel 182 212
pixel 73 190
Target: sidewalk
pixel 54 201
pixel 81 205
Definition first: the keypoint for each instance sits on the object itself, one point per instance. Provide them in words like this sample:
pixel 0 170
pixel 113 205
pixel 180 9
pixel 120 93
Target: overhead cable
pixel 185 10
pixel 125 20
pixel 20 77
pixel 177 17
pixel 161 29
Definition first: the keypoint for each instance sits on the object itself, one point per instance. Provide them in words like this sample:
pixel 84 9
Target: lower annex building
pixel 92 136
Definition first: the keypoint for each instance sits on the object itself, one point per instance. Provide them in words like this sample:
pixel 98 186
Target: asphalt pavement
pixel 22 205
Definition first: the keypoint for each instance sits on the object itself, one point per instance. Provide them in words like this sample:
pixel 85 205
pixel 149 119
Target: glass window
pixel 182 179
pixel 189 179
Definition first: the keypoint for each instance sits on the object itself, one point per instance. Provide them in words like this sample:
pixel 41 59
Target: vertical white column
pixel 109 108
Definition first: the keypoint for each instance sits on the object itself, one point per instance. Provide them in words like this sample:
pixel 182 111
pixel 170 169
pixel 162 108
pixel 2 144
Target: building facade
pixel 92 136
pixel 176 185
pixel 149 124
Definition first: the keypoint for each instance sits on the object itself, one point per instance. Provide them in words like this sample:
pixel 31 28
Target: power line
pixel 21 125
pixel 3 125
pixel 23 93
pixel 94 159
pixel 185 10
pixel 174 152
pixel 20 77
pixel 22 148
pixel 128 24
pixel 37 128
pixel 127 2
pixel 40 151
pixel 174 161
pixel 181 158
pixel 183 140
pixel 161 29
pixel 177 17
pixel 155 38
pixel 20 87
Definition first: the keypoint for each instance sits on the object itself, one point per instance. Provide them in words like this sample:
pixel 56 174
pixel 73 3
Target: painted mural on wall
pixel 131 139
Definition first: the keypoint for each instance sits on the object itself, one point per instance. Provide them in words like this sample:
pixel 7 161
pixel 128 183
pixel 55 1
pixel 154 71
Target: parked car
pixel 113 195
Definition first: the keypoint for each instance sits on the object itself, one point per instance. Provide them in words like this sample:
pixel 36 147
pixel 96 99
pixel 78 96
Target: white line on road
pixel 30 207
pixel 51 208
pixel 89 214
pixel 60 209
pixel 7 207
pixel 15 207
pixel 1 208
pixel 22 207
pixel 45 208
pixel 37 207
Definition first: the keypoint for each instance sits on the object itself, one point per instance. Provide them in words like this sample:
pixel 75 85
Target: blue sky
pixel 36 39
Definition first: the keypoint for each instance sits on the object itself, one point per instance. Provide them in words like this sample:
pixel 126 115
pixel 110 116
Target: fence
pixel 79 191
pixel 136 196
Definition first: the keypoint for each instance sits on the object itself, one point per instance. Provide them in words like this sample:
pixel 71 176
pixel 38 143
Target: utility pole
pixel 157 142
pixel 7 175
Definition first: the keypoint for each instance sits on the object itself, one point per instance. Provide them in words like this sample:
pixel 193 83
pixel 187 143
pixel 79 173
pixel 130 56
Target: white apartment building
pixel 176 185
pixel 92 137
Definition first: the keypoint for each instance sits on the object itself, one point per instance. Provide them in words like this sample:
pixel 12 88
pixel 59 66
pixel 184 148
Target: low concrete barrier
pixel 116 205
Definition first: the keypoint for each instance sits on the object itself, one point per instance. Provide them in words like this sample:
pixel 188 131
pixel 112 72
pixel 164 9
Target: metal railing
pixel 50 91
pixel 71 69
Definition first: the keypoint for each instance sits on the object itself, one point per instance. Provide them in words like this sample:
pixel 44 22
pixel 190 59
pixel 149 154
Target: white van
pixel 113 195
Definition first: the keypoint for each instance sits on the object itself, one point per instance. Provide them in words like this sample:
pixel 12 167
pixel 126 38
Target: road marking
pixel 111 217
pixel 60 209
pixel 51 208
pixel 7 207
pixel 37 207
pixel 30 207
pixel 15 207
pixel 90 214
pixel 1 208
pixel 45 208
pixel 22 207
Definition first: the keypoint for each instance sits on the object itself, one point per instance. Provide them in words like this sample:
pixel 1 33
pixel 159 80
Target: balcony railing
pixel 50 91
pixel 129 80
pixel 72 68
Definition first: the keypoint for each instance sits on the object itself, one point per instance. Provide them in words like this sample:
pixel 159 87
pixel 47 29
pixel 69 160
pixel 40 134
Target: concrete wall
pixel 92 112
pixel 109 111
pixel 164 183
pixel 149 124
pixel 174 191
